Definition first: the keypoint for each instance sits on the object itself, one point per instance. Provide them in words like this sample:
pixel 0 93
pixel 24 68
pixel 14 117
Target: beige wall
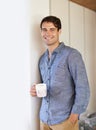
pixel 79 29
pixel 38 9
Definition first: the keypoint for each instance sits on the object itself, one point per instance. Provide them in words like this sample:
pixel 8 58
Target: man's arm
pixel 82 92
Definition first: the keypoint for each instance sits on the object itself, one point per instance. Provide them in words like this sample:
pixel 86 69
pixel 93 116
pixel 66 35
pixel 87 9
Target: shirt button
pixel 48 67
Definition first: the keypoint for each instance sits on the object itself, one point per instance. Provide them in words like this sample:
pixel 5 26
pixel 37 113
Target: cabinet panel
pixel 60 8
pixel 77 27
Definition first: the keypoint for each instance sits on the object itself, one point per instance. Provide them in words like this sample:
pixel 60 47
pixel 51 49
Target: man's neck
pixel 52 48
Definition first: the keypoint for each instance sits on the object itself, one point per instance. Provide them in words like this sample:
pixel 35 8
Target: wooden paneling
pixel 91 4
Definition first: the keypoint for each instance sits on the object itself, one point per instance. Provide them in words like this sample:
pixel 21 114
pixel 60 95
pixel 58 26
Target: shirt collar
pixel 57 50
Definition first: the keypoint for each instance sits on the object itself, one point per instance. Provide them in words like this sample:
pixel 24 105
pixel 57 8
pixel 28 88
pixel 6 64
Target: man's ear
pixel 60 31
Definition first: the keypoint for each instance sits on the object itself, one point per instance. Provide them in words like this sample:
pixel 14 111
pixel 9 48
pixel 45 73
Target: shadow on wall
pixel 37 48
pixel 36 40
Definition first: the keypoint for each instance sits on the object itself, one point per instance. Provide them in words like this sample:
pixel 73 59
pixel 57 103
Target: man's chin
pixel 49 44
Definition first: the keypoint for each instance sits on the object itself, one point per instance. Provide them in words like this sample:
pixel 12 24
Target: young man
pixel 63 71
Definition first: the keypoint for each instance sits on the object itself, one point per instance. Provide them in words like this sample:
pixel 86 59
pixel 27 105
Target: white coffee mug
pixel 41 90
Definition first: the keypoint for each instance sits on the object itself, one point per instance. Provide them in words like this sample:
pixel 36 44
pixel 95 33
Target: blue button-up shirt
pixel 67 84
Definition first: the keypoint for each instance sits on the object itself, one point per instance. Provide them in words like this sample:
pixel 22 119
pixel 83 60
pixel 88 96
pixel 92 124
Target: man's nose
pixel 48 32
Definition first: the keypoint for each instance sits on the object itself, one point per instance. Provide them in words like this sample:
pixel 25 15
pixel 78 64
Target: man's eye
pixel 52 29
pixel 44 30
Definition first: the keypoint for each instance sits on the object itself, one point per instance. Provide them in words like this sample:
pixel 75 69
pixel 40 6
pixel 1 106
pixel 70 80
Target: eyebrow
pixel 49 28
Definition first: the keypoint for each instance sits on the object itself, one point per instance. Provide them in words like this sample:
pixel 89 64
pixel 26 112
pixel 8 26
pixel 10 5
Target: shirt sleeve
pixel 79 76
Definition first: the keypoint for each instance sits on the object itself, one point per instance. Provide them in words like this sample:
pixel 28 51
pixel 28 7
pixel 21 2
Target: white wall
pixel 14 65
pixel 79 29
pixel 19 52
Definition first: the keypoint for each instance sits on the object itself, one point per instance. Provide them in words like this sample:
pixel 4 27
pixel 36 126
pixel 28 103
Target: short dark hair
pixel 56 21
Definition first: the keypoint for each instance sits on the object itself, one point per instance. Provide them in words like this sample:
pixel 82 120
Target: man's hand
pixel 33 91
pixel 73 118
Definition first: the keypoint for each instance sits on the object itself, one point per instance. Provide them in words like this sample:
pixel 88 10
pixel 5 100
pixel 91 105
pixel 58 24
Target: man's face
pixel 50 33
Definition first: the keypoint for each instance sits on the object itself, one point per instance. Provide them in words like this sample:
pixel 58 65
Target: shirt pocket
pixel 60 72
